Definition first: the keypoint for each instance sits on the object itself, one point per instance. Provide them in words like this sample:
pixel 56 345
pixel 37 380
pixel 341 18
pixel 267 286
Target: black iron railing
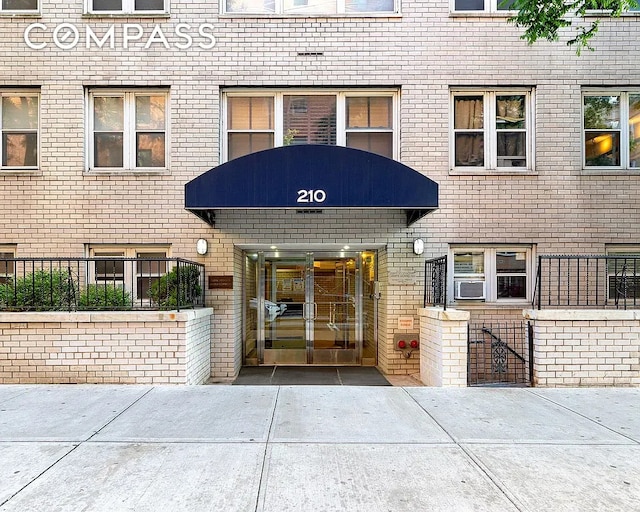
pixel 435 282
pixel 588 282
pixel 100 284
pixel 499 354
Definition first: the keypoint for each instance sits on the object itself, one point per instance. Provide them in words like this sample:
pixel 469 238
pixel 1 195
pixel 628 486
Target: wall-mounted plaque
pixel 220 282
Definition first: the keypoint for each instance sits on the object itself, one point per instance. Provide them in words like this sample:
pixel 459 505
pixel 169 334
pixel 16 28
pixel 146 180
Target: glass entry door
pixel 307 308
pixel 283 333
pixel 336 326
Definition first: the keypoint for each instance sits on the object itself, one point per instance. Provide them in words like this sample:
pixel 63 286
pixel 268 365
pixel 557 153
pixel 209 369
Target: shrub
pixel 104 297
pixel 164 292
pixel 42 290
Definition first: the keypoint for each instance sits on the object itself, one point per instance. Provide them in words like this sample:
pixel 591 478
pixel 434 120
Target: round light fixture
pixel 202 247
pixel 418 246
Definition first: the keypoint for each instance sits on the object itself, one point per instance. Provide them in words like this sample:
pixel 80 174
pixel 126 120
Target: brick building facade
pixel 526 144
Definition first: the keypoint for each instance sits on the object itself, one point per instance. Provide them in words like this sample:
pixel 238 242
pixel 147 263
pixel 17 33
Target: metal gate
pixel 500 354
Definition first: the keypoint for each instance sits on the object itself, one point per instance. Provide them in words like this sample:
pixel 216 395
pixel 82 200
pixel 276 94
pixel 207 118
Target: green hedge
pixel 164 292
pixel 57 290
pixel 100 297
pixel 42 290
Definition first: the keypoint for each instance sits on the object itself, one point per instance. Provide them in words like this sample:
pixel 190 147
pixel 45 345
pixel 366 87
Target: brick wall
pixel 487 314
pixel 586 348
pixel 114 347
pixel 59 208
pixel 443 347
pixel 197 350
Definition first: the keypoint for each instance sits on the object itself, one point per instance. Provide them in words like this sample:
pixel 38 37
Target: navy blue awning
pixel 311 177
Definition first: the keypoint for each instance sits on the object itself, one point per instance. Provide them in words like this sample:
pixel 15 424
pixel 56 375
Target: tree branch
pixel 543 19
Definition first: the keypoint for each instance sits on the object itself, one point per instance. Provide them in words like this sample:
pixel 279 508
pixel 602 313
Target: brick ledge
pixel 451 315
pixel 105 316
pixel 568 315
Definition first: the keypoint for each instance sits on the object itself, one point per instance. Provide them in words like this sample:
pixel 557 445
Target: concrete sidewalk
pixel 318 448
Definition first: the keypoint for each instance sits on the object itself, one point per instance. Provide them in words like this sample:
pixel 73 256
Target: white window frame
pixel 490 275
pixel 490 7
pixel 29 93
pixel 129 157
pixel 491 132
pixel 128 7
pixel 340 11
pixel 341 96
pixel 623 129
pixel 130 274
pixel 18 12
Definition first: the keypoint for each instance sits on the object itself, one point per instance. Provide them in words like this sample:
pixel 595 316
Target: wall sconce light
pixel 202 246
pixel 418 246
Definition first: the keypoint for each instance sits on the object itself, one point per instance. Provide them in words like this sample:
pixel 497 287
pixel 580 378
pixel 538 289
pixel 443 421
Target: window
pixel 597 10
pixel 492 130
pixel 19 124
pixel 358 119
pixel 369 124
pixel 623 274
pixel 7 268
pixel 606 141
pixel 20 6
pixel 475 6
pixel 492 274
pixel 111 268
pixel 128 130
pixel 128 6
pixel 307 7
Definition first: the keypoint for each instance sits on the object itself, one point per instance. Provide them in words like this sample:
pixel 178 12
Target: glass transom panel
pixel 20 112
pixel 20 5
pixel 150 112
pixel 602 112
pixel 310 6
pixel 149 5
pixel 510 112
pixel 369 112
pixel 511 262
pixel 108 113
pixel 469 113
pixel 250 113
pixel 468 263
pixel 107 5
pixel 310 119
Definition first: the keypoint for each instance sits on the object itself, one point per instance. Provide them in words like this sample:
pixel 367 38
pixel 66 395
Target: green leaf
pixel 543 19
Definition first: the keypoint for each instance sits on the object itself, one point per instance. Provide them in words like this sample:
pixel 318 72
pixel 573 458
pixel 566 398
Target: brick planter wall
pixel 125 347
pixel 585 347
pixel 443 347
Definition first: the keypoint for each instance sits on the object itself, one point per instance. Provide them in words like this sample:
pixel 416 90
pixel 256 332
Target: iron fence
pixel 588 282
pixel 435 282
pixel 500 354
pixel 100 284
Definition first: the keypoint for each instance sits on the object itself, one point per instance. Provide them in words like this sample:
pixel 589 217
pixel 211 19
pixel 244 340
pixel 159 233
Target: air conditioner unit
pixel 472 289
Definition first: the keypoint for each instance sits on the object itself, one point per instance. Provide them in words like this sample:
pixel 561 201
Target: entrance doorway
pixel 310 308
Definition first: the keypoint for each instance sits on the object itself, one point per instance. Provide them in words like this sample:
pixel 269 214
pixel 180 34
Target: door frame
pixel 311 356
